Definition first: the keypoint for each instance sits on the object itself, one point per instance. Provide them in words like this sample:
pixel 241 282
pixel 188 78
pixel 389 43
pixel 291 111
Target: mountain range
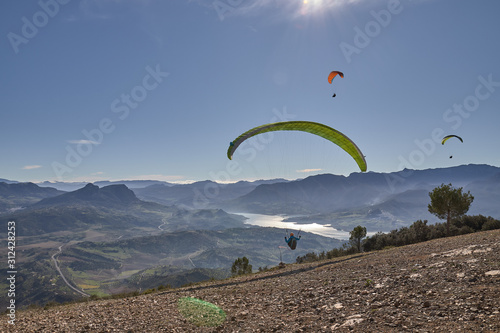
pixel 112 209
pixel 106 239
pixel 380 201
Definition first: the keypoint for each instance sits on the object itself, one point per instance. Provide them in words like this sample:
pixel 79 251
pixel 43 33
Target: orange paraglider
pixel 332 75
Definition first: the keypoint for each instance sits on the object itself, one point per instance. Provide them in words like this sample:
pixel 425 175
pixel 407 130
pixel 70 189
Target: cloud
pixel 83 142
pixel 309 170
pixel 165 178
pixel 31 167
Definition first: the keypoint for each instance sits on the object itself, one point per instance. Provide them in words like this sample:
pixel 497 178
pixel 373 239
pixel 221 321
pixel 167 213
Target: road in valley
pixel 54 259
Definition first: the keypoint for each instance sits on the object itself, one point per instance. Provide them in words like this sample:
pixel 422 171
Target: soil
pixel 443 285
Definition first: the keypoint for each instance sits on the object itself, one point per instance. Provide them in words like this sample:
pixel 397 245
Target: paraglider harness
pixel 292 240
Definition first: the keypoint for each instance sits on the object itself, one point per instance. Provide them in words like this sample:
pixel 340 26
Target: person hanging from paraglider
pixel 292 241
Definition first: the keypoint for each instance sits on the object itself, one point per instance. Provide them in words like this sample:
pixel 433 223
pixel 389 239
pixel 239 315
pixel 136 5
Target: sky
pixel 151 89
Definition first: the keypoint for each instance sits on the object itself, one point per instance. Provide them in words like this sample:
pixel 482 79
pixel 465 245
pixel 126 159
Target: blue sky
pixel 150 89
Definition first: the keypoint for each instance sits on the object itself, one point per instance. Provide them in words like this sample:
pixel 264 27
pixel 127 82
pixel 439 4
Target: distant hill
pixel 113 208
pixel 109 196
pixel 203 194
pixel 72 186
pixel 380 201
pixel 19 195
pixel 2 180
pixel 132 184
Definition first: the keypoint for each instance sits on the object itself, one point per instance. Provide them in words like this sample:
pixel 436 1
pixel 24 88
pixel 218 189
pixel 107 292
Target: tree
pixel 241 267
pixel 449 202
pixel 357 234
pixel 420 231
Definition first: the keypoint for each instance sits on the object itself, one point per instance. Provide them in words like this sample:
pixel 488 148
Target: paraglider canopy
pixel 446 138
pixel 321 130
pixel 333 74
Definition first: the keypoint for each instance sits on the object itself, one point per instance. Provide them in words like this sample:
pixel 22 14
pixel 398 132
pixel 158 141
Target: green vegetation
pixel 241 266
pixel 449 202
pixel 357 234
pixel 419 231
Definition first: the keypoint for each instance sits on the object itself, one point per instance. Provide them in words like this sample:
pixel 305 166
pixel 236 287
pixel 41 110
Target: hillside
pixel 113 210
pixel 14 196
pixel 378 201
pixel 444 285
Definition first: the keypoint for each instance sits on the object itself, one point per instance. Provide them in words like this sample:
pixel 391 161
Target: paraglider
pixel 446 138
pixel 332 75
pixel 292 241
pixel 321 130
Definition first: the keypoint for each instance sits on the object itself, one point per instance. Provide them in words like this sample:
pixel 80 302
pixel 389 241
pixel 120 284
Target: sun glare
pixel 312 6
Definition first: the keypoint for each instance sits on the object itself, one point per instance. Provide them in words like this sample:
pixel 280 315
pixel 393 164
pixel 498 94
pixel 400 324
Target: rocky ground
pixel 445 285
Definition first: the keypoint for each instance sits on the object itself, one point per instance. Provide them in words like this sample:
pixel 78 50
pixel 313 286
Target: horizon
pixel 101 89
pixel 236 181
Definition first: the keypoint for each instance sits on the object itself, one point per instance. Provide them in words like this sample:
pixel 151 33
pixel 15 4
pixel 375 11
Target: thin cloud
pixel 83 142
pixel 309 170
pixel 165 178
pixel 31 167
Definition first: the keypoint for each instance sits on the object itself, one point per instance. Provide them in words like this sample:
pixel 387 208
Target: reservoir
pixel 276 221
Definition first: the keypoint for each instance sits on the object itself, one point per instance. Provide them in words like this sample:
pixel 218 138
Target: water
pixel 277 222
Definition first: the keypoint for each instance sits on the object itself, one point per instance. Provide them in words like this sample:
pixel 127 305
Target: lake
pixel 277 222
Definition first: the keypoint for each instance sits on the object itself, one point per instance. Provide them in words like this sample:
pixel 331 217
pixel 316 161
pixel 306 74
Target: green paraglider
pixel 321 130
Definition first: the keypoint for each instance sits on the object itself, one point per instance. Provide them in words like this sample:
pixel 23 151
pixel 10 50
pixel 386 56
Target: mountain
pixel 379 201
pixel 108 196
pixel 203 194
pixel 63 186
pixel 19 195
pixel 132 184
pixel 113 210
pixel 486 193
pixel 2 180
pixel 315 194
pixel 459 176
pixel 73 186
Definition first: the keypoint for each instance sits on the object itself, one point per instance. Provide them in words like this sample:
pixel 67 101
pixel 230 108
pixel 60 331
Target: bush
pixel 241 266
pixel 491 224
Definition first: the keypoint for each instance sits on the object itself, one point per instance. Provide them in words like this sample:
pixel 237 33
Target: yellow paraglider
pixel 446 138
pixel 321 130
